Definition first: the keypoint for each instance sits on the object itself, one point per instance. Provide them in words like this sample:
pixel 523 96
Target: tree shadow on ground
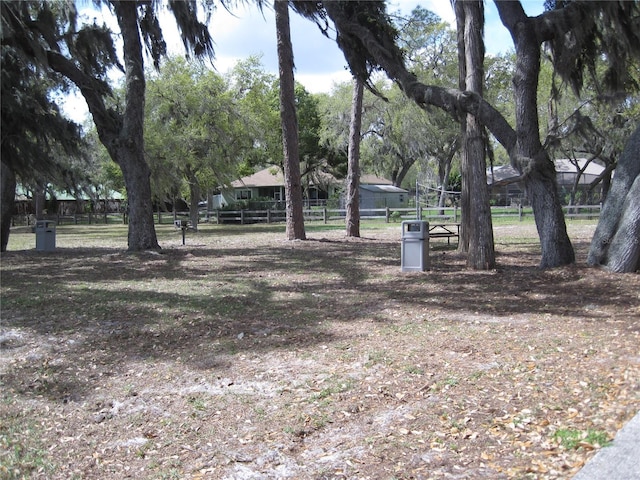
pixel 92 311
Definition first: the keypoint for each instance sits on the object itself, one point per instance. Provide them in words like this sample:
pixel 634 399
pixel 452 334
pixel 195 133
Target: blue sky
pixel 319 62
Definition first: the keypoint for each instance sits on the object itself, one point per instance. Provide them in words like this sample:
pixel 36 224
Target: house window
pixel 401 198
pixel 243 194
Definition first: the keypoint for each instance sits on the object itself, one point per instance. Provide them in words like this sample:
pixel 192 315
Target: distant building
pixel 506 187
pixel 376 192
pixel 63 203
pixel 266 187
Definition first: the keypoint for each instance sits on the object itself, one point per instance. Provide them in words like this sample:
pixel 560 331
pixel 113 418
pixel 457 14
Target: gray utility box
pixel 415 246
pixel 45 235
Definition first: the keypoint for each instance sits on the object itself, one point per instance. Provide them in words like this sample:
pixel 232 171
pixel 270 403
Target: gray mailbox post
pixel 45 235
pixel 415 246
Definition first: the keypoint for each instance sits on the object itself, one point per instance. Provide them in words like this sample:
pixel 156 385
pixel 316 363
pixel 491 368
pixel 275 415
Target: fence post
pixel 387 214
pixel 268 215
pixel 241 217
pixel 324 215
pixel 455 214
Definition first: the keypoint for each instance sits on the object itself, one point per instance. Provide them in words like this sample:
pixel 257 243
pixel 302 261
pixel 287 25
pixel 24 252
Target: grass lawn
pixel 241 355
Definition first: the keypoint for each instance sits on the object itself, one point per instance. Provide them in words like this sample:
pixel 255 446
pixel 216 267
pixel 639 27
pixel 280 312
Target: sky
pixel 319 63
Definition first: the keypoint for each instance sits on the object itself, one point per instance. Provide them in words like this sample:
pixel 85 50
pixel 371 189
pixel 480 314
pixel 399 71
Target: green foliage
pixel 39 144
pixel 255 92
pixel 256 95
pixel 398 135
pixel 572 438
pixel 194 134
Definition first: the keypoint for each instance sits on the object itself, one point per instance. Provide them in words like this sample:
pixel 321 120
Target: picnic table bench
pixel 444 230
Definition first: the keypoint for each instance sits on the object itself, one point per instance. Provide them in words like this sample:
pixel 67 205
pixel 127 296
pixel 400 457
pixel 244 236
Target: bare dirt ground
pixel 243 356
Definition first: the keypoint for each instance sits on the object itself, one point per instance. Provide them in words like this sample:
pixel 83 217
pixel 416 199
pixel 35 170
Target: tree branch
pixel 453 101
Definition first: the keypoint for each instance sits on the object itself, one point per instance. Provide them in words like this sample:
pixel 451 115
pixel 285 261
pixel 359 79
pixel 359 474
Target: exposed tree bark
pixel 7 202
pixel 616 241
pixel 624 251
pixel 532 160
pixel 291 165
pixel 522 144
pixel 465 189
pixel 39 198
pixel 353 167
pixel 194 195
pixel 130 142
pixel 481 252
pixel 122 135
pixel 445 171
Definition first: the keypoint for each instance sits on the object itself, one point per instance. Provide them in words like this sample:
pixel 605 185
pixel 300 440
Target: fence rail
pixel 321 214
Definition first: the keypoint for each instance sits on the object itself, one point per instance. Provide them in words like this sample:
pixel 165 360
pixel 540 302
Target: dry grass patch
pixel 243 356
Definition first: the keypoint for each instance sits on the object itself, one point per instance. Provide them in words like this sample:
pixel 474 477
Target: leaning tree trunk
pixel 556 247
pixel 530 158
pixel 7 202
pixel 616 241
pixel 130 148
pixel 293 184
pixel 122 135
pixel 353 168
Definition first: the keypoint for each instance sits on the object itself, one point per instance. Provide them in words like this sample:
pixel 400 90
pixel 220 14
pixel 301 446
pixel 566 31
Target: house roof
pixel 503 174
pixel 383 189
pixel 564 165
pixel 272 177
pixel 269 177
pixel 368 179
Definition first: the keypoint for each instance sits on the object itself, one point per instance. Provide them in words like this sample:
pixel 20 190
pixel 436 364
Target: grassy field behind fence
pixel 115 235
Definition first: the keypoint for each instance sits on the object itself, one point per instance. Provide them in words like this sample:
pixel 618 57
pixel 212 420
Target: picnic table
pixel 444 230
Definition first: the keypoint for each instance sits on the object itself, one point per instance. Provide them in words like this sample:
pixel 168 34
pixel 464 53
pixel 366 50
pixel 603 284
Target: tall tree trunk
pixel 122 134
pixel 130 143
pixel 293 185
pixel 444 186
pixel 39 198
pixel 478 225
pixel 353 168
pixel 616 241
pixel 481 248
pixel 530 157
pixel 7 203
pixel 539 170
pixel 465 185
pixel 194 195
